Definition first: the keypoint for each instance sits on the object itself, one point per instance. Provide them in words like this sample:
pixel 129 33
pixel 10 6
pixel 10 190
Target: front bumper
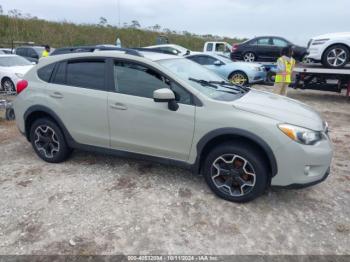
pixel 301 186
pixel 301 166
pixel 315 52
pixel 258 77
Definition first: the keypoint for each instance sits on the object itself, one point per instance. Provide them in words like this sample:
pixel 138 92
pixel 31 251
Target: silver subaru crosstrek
pixel 164 108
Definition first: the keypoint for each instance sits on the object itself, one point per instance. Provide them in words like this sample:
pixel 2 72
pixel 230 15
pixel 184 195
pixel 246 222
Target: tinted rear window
pixel 87 74
pixel 60 75
pixel 45 72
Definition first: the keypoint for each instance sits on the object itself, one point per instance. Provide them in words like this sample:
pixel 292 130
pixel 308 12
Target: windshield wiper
pixel 213 85
pixel 230 85
pixel 203 82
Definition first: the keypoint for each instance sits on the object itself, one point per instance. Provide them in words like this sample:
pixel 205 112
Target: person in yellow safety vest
pixel 285 66
pixel 46 52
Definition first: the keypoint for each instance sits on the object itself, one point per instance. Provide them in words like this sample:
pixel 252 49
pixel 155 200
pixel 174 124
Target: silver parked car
pixel 169 109
pixel 241 73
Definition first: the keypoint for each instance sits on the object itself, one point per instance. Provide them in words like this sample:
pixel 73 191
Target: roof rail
pixel 90 49
pixel 128 51
pixel 154 50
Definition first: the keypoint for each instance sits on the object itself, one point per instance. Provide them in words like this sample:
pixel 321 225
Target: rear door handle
pixel 119 106
pixel 57 95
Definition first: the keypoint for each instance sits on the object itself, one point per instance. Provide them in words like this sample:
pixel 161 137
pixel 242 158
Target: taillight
pixel 234 47
pixel 21 85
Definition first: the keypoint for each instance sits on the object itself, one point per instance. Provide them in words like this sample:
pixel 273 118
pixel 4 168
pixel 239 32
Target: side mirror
pixel 217 63
pixel 165 95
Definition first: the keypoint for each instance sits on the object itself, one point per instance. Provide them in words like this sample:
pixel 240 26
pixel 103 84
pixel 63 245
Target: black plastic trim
pixel 237 132
pixel 52 114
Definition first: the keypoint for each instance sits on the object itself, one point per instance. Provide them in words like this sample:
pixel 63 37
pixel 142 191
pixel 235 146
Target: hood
pixel 280 108
pixel 333 35
pixel 246 64
pixel 20 69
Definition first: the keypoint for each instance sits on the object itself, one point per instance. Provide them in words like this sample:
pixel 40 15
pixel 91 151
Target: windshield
pixel 224 59
pixel 39 49
pixel 188 71
pixel 13 61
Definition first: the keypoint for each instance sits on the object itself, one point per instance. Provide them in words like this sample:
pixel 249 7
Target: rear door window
pixel 264 41
pixel 86 74
pixel 279 42
pixel 60 74
pixel 21 51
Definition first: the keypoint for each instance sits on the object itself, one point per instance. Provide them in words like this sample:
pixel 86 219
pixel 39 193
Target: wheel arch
pixel 334 44
pixel 7 77
pixel 219 136
pixel 38 111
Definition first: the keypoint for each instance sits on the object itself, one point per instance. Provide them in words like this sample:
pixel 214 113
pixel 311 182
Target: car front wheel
pixel 239 78
pixel 48 141
pixel 336 56
pixel 236 172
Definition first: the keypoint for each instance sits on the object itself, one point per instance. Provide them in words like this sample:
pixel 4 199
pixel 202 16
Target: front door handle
pixel 57 95
pixel 119 106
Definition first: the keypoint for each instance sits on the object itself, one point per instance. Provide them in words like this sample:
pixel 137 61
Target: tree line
pixel 16 26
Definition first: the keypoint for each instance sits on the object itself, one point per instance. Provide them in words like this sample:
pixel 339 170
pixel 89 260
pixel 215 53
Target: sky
pixel 296 20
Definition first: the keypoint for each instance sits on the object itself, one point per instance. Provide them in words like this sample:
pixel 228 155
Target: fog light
pixel 307 170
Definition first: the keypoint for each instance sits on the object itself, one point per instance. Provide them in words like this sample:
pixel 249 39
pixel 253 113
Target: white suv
pixel 169 109
pixel 332 50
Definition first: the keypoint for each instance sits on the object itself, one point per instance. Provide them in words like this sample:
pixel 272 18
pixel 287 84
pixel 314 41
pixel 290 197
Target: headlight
pixel 258 69
pixel 301 135
pixel 19 75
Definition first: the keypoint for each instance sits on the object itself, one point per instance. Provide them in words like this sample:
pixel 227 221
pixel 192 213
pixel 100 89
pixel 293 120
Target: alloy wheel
pixel 233 175
pixel 46 141
pixel 249 57
pixel 337 57
pixel 238 79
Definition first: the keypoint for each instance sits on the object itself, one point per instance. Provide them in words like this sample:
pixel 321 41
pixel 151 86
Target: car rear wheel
pixel 48 141
pixel 336 56
pixel 239 78
pixel 249 57
pixel 236 172
pixel 7 85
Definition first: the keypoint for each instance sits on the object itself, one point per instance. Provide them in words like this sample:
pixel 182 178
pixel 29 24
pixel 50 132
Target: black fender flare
pixel 43 109
pixel 236 132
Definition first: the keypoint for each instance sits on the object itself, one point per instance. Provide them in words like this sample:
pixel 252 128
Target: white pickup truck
pixel 221 48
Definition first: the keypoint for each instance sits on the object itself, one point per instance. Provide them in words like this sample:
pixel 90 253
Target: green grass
pixel 68 34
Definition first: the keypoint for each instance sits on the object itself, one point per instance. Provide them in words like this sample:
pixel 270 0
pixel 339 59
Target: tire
pixel 336 56
pixel 244 159
pixel 239 78
pixel 10 114
pixel 270 77
pixel 249 57
pixel 51 145
pixel 7 85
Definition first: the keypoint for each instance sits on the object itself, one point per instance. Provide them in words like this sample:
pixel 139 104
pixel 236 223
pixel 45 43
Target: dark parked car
pixel 265 48
pixel 31 53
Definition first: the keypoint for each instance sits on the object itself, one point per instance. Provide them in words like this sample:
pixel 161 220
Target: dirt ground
pixel 96 204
